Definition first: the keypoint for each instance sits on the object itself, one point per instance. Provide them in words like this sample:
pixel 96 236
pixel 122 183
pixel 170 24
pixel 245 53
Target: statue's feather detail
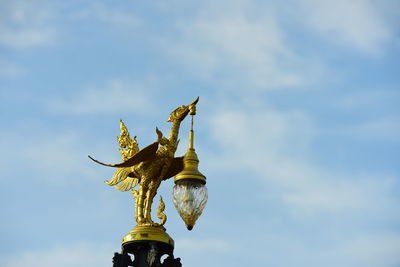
pixel 128 184
pixel 119 175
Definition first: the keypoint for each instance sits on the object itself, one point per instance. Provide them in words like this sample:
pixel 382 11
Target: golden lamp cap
pixel 190 170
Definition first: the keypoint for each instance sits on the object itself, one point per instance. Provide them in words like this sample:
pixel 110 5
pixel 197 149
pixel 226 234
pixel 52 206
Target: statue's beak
pixel 195 101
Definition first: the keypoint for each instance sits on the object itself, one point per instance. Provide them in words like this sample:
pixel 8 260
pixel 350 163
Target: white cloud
pixel 372 250
pixel 77 255
pixel 387 129
pixel 57 153
pixel 275 146
pixel 217 248
pixel 11 70
pixel 346 250
pixel 367 99
pixel 252 47
pixel 25 24
pixel 235 45
pixel 342 205
pixel 48 156
pixel 115 96
pixel 26 37
pixel 358 23
pixel 248 44
pixel 342 194
pixel 202 245
pixel 108 15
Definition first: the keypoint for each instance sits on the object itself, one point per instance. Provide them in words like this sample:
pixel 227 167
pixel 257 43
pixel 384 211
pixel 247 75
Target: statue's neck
pixel 173 135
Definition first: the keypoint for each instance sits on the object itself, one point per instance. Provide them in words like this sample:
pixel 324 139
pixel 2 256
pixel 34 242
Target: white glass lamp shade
pixel 189 199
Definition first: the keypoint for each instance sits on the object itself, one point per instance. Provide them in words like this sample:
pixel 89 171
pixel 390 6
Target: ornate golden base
pixel 148 233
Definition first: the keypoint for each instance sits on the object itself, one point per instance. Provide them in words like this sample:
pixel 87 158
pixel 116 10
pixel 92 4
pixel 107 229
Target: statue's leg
pixel 135 194
pixel 151 193
pixel 152 190
pixel 140 204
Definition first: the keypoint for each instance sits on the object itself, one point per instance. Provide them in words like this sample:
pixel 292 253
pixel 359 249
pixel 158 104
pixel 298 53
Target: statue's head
pixel 180 113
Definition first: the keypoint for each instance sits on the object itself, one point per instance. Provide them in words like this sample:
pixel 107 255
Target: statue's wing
pixel 120 175
pixel 123 178
pixel 175 168
pixel 128 184
pixel 146 153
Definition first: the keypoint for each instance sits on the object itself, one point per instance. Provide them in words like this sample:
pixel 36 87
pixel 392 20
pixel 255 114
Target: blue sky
pixel 298 127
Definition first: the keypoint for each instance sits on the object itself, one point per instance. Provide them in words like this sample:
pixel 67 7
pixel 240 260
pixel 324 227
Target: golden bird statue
pixel 150 166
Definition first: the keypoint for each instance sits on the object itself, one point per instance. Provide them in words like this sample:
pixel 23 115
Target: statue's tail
pixel 160 213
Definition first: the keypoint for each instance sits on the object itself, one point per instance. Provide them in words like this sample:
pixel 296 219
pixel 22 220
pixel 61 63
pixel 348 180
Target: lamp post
pixel 190 193
pixel 148 241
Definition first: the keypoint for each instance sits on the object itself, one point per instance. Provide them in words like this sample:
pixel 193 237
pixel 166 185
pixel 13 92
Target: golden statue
pixel 148 168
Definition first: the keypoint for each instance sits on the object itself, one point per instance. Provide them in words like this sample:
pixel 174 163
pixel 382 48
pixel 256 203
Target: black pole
pixel 146 254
